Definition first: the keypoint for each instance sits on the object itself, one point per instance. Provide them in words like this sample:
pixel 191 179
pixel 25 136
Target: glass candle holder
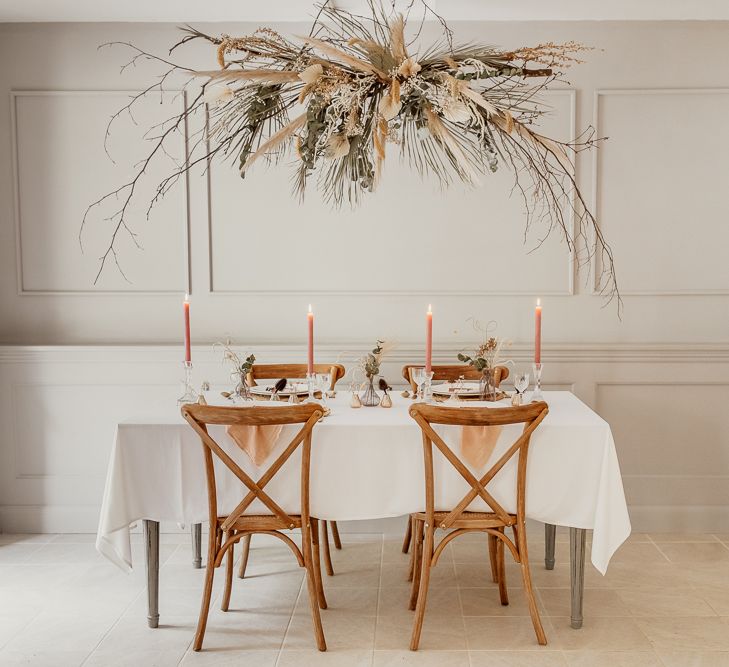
pixel 189 395
pixel 537 393
pixel 428 388
pixel 311 387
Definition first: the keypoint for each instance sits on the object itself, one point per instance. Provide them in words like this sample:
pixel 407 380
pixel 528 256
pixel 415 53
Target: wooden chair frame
pixel 424 524
pixel 277 371
pixel 447 374
pixel 226 531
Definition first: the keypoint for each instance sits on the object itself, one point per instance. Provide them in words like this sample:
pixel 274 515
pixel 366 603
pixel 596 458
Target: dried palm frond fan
pixel 354 85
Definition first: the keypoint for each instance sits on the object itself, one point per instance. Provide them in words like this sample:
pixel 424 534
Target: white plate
pixel 299 388
pixel 468 389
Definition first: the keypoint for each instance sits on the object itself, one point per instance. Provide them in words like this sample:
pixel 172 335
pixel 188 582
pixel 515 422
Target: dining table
pixel 367 464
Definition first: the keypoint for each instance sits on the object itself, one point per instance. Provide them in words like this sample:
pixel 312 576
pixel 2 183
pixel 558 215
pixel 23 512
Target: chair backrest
pixel 296 371
pixel 306 414
pixel 425 415
pixel 452 373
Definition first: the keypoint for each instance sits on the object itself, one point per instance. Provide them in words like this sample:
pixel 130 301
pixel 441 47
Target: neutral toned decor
pixel 358 83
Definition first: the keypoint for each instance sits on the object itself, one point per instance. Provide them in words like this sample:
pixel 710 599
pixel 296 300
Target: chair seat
pixel 469 519
pixel 259 522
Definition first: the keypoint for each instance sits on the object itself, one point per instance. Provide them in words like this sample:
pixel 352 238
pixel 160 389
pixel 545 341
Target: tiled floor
pixel 664 601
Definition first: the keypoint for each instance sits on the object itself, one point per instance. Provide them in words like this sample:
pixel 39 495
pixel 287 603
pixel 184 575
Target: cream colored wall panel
pixel 668 428
pixel 410 237
pixel 61 167
pixel 661 184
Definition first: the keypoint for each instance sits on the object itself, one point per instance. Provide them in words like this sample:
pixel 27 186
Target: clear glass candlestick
pixel 537 393
pixel 188 393
pixel 428 388
pixel 311 386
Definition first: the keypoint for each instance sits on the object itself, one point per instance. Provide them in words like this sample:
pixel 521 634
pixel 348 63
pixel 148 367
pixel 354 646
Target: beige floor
pixel 665 601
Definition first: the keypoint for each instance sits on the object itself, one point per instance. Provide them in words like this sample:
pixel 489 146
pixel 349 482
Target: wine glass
pixel 323 381
pixel 521 383
pixel 418 375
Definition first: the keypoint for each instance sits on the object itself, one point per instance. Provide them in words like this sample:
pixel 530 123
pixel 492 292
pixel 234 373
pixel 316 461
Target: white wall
pixel 658 185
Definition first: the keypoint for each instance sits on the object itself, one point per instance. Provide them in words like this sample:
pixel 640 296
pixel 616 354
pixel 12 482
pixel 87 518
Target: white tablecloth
pixel 367 464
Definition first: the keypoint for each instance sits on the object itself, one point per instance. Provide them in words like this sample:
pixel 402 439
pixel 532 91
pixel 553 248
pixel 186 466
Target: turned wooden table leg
pixel 550 532
pixel 577 574
pixel 196 534
pixel 151 561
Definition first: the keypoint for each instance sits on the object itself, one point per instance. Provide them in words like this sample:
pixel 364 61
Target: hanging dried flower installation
pixel 355 89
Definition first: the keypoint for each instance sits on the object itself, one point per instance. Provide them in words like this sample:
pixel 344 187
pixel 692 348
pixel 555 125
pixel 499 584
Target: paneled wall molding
pixel 553 352
pixel 597 194
pixel 465 288
pixel 179 97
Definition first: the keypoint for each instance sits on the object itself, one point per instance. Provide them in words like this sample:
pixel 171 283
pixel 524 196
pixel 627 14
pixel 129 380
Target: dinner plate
pixel 298 388
pixel 468 390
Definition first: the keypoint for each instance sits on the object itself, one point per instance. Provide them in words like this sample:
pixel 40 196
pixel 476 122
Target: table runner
pixel 367 464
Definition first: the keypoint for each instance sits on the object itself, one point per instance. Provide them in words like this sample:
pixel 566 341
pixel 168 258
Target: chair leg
pixel 501 572
pixel 246 543
pixel 207 593
pixel 492 558
pixel 230 557
pixel 408 533
pixel 325 547
pixel 528 590
pixel 412 527
pixel 317 563
pixel 335 535
pixel 313 582
pixel 417 562
pixel 427 558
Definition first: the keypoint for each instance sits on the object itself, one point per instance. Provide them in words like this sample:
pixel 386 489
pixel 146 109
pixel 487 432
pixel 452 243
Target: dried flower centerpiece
pixel 486 358
pixel 369 366
pixel 240 368
pixel 357 83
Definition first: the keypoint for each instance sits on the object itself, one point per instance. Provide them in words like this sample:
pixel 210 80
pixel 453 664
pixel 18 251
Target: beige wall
pixel 658 90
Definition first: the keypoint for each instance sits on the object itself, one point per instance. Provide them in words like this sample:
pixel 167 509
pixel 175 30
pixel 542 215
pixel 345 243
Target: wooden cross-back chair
pixel 296 371
pixel 226 530
pixel 460 520
pixel 447 374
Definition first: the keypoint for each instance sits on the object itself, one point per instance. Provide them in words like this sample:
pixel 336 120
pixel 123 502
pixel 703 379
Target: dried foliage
pixel 356 84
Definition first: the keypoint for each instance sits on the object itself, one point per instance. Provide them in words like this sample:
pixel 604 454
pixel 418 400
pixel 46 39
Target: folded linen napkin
pixel 478 442
pixel 256 441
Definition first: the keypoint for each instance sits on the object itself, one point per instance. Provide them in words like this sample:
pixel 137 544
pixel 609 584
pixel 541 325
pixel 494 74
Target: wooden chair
pixel 447 374
pixel 460 519
pixel 226 530
pixel 297 371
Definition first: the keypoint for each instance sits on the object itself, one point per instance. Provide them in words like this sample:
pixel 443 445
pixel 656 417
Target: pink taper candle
pixel 538 333
pixel 429 339
pixel 310 357
pixel 186 311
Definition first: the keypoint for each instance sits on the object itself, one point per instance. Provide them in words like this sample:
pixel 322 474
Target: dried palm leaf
pixel 275 141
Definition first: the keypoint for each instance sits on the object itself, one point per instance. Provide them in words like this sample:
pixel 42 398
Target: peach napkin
pixel 478 442
pixel 256 441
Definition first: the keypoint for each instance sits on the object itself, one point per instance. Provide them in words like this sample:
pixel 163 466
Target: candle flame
pixel 309 307
pixel 539 303
pixel 430 309
pixel 187 297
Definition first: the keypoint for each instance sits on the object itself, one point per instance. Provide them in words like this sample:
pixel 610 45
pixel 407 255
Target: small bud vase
pixel 370 398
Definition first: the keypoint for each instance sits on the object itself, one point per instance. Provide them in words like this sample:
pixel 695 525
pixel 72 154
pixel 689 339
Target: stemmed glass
pixel 322 382
pixel 521 383
pixel 418 375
